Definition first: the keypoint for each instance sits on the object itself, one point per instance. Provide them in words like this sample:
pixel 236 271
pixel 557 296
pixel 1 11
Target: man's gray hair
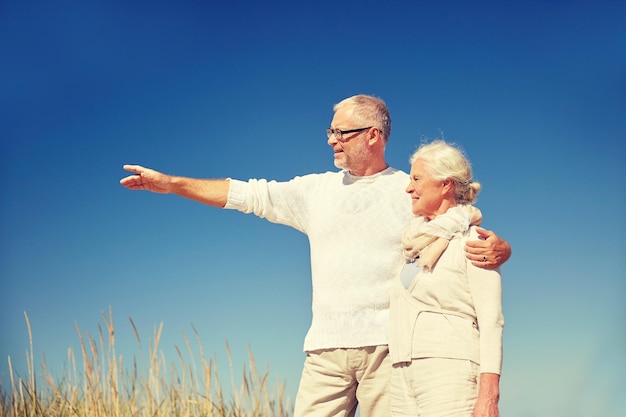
pixel 369 111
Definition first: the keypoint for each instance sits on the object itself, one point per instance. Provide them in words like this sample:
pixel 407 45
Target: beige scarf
pixel 424 241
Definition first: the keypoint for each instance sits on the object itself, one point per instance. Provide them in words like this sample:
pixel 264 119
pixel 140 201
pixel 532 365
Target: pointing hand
pixel 146 179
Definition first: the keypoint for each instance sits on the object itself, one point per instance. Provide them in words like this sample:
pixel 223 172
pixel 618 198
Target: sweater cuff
pixel 236 195
pixel 491 350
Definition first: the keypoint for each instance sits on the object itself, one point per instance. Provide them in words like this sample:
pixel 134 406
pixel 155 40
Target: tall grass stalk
pixel 108 387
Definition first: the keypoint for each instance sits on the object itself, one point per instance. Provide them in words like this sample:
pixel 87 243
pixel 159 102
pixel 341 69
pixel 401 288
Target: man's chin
pixel 340 163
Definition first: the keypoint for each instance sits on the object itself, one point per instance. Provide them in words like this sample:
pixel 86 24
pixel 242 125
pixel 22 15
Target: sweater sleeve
pixel 486 290
pixel 278 202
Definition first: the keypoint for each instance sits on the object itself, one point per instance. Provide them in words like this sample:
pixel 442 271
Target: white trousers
pixel 434 387
pixel 335 381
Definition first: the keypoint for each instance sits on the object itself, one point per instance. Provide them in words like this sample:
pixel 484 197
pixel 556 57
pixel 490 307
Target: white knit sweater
pixel 354 226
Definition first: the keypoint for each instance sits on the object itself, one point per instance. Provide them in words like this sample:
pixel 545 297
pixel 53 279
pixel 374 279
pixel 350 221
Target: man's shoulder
pixel 317 179
pixel 396 173
pixel 390 173
pixel 318 175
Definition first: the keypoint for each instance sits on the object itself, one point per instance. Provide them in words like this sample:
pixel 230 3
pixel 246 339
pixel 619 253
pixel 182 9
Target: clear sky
pixel 534 91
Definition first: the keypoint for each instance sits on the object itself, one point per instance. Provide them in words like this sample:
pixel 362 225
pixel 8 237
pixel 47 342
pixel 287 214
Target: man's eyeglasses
pixel 338 133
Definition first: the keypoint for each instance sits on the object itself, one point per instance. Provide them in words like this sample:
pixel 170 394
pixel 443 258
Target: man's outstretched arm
pixel 213 192
pixel 489 252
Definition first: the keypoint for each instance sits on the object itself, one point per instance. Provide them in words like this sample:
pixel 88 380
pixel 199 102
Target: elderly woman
pixel 446 319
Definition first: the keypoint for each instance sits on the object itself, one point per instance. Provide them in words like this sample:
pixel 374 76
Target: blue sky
pixel 535 92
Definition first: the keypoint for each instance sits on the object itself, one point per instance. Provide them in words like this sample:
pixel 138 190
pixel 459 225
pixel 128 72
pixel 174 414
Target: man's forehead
pixel 343 114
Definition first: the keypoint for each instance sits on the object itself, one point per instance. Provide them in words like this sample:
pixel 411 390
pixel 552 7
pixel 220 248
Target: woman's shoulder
pixel 471 233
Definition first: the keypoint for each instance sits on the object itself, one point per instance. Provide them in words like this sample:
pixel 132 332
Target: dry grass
pixel 107 387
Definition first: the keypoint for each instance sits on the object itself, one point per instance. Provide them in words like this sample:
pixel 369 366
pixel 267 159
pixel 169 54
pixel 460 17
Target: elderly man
pixel 361 209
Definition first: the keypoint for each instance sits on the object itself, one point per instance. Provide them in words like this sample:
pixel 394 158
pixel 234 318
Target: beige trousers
pixel 335 381
pixel 434 387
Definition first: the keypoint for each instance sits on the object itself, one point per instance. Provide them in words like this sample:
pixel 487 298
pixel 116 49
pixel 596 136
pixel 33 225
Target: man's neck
pixel 370 169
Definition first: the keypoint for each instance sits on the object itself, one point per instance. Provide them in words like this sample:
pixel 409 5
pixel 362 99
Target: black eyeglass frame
pixel 338 133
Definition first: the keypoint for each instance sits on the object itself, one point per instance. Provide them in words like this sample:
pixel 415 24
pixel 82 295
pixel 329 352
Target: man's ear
pixel 374 135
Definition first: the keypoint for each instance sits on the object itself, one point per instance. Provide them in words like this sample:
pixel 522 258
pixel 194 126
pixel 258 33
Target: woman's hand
pixel 488 396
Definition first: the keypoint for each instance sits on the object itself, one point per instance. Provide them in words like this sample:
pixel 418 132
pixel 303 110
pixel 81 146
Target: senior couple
pixel 408 320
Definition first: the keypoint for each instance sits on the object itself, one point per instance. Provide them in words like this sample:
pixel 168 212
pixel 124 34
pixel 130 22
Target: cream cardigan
pixel 453 311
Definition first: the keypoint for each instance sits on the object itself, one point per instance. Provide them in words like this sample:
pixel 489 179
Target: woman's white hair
pixel 446 161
